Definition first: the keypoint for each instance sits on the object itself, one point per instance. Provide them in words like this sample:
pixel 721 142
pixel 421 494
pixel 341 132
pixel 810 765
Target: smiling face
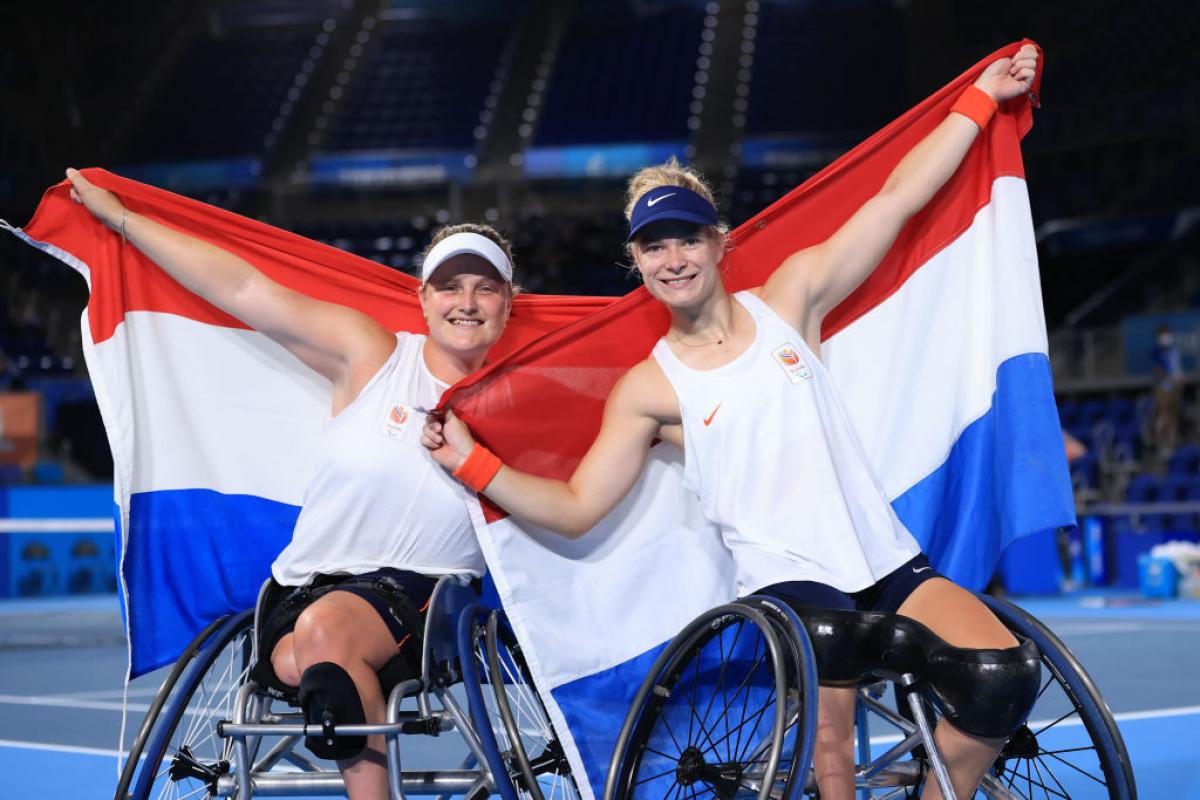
pixel 466 304
pixel 678 261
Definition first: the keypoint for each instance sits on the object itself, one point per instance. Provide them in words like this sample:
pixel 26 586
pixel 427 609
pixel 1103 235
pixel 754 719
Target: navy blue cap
pixel 670 202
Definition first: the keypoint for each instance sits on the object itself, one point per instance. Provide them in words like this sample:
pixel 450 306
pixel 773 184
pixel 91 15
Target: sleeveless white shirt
pixel 376 498
pixel 772 454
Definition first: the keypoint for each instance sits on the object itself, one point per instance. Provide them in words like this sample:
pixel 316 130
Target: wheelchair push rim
pixel 539 753
pixel 726 743
pixel 184 755
pixel 523 751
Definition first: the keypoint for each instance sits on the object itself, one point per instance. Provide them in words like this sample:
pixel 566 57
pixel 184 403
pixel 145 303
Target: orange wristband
pixel 479 468
pixel 976 105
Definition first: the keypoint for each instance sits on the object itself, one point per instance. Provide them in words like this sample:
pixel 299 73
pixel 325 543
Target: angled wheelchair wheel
pixel 1071 746
pixel 183 757
pixel 801 732
pixel 133 758
pixel 523 750
pixel 710 718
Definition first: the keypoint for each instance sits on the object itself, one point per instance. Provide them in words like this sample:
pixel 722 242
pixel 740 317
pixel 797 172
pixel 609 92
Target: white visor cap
pixel 458 244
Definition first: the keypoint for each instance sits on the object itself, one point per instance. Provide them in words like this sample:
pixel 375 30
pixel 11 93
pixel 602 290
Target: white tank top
pixel 376 498
pixel 772 454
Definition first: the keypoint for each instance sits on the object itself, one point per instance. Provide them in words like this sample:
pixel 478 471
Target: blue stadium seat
pixel 1085 471
pixel 1068 413
pixel 1174 488
pixel 1142 489
pixel 1185 461
pixel 1091 412
pixel 1122 412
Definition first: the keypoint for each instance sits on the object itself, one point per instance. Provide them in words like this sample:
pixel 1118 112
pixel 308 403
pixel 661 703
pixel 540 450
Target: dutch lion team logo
pixel 395 421
pixel 787 355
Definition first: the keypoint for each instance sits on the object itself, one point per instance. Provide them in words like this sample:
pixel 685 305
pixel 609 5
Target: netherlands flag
pixel 941 357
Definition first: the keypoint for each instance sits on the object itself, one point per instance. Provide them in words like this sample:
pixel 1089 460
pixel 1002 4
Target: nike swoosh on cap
pixel 652 201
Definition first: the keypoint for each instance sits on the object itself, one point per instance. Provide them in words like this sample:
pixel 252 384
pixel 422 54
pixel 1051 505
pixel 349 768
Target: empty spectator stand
pixel 625 73
pixel 233 89
pixel 425 79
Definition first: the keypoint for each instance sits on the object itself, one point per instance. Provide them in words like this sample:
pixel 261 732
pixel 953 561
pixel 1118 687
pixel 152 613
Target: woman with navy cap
pixel 738 384
pixel 378 520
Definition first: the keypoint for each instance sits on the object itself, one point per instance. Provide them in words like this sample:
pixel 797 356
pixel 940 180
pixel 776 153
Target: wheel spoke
pixel 1080 770
pixel 654 777
pixel 1052 724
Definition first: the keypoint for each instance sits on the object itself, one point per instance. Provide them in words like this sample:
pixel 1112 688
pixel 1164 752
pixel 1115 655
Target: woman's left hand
pixel 1007 78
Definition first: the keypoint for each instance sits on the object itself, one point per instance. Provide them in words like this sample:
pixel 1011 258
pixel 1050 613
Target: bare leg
pixel 959 618
pixel 833 750
pixel 283 661
pixel 345 629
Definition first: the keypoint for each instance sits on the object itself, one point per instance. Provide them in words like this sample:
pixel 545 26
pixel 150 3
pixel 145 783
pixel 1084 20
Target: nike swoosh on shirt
pixel 650 203
pixel 919 571
pixel 713 414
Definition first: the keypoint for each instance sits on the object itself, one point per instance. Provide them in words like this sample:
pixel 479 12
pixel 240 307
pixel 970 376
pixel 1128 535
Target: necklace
pixel 697 344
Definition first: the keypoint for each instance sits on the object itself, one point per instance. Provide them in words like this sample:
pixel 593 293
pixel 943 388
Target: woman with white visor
pixel 379 519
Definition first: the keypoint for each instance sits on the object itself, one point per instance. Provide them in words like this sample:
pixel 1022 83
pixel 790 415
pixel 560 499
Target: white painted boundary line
pixel 1141 626
pixel 61 748
pixel 1124 716
pixel 68 702
pixel 65 525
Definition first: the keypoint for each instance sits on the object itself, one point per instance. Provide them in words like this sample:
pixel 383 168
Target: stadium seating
pixel 810 73
pixel 638 67
pixel 227 92
pixel 423 85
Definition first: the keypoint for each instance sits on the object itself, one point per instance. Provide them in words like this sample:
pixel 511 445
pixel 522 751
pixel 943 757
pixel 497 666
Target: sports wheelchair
pixel 728 711
pixel 212 731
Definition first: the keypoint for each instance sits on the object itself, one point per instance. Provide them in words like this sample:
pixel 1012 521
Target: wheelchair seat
pixel 401 667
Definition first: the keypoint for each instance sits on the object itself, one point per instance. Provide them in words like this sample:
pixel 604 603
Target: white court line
pixel 1124 716
pixel 69 702
pixel 1082 628
pixel 60 748
pixel 110 694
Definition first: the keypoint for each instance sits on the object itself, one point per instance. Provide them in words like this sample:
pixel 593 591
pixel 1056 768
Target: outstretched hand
pixel 1007 78
pixel 103 204
pixel 448 440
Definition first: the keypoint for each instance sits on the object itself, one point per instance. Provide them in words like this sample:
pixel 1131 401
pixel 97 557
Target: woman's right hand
pixel 103 204
pixel 448 440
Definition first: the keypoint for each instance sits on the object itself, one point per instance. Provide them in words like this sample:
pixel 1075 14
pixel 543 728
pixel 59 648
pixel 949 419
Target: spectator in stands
pixel 1075 451
pixel 1168 388
pixel 11 379
pixel 1075 448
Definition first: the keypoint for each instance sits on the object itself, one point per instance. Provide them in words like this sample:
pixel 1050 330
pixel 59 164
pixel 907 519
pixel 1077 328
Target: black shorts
pixel 399 597
pixel 888 594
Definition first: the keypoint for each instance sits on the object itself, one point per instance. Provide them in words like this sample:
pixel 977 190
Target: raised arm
pixel 813 281
pixel 601 480
pixel 340 343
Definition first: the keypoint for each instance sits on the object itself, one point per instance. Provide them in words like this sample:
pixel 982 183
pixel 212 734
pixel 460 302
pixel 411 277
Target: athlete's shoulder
pixel 645 391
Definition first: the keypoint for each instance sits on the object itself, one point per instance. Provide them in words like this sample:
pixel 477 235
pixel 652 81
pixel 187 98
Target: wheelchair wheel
pixel 183 755
pixel 710 718
pixel 1071 746
pixel 134 756
pixel 801 706
pixel 523 750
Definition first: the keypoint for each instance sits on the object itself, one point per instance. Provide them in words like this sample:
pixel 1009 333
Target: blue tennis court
pixel 61 663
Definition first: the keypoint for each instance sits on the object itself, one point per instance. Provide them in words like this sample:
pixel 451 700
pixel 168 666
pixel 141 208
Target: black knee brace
pixel 329 697
pixel 985 692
